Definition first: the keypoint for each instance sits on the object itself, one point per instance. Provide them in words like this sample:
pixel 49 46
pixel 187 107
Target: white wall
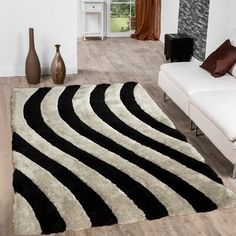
pixel 169 17
pixel 218 30
pixel 79 25
pixel 54 21
pixel 232 16
pixel 222 22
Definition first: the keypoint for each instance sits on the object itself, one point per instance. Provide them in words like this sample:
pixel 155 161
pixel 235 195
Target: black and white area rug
pixel 97 155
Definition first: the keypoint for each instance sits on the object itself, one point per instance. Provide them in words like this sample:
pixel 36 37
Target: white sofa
pixel 209 102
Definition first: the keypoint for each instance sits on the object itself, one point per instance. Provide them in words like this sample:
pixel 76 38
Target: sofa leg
pixel 165 97
pixel 234 172
pixel 198 132
pixel 192 125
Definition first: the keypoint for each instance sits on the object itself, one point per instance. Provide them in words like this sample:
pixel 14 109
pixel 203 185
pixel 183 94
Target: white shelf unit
pixel 93 18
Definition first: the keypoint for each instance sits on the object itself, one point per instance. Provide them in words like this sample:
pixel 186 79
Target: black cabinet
pixel 178 47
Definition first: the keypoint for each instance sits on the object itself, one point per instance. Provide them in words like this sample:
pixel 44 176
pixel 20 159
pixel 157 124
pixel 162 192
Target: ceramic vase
pixel 32 64
pixel 58 69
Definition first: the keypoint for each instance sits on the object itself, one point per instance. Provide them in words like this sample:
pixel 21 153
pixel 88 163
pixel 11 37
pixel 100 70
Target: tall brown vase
pixel 32 64
pixel 58 68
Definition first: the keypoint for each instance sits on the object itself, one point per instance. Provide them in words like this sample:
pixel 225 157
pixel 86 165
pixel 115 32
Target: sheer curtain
pixel 148 16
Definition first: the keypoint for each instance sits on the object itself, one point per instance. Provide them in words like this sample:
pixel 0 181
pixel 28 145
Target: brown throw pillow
pixel 221 60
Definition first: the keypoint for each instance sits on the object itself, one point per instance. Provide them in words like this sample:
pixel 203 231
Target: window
pixel 121 17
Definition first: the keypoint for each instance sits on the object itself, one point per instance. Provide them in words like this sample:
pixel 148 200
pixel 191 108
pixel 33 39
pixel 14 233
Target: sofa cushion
pixel 191 78
pixel 219 107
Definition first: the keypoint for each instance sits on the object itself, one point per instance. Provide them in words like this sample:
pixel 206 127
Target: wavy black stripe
pixel 97 210
pixel 142 197
pixel 46 213
pixel 97 100
pixel 198 200
pixel 128 99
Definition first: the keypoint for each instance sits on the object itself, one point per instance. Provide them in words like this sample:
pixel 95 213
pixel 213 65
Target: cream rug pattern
pixel 97 155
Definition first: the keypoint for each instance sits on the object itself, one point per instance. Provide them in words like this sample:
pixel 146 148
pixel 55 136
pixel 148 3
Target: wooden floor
pixel 119 60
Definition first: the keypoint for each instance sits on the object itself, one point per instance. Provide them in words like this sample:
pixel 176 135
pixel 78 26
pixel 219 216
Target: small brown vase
pixel 58 68
pixel 32 64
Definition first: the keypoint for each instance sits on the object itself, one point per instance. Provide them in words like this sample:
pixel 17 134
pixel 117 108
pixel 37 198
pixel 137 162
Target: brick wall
pixel 193 20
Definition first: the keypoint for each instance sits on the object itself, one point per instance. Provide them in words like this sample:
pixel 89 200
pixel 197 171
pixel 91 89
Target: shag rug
pixel 97 155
